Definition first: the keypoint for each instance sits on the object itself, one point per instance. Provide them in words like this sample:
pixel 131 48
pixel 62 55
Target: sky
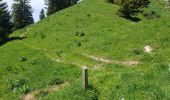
pixel 37 5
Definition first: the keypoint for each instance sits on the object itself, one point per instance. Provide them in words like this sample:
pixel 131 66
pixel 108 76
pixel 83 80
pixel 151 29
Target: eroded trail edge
pixel 32 95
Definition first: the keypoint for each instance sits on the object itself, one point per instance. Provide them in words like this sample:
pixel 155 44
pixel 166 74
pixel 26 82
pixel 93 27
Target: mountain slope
pixel 90 34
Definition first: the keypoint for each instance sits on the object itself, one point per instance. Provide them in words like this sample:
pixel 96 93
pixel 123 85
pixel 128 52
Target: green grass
pixel 31 62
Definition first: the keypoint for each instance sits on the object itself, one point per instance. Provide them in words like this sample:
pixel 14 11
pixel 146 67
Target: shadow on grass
pixel 11 39
pixel 134 19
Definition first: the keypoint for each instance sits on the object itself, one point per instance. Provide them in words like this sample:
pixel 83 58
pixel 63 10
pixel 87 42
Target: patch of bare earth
pixel 32 95
pixel 56 60
pixel 148 49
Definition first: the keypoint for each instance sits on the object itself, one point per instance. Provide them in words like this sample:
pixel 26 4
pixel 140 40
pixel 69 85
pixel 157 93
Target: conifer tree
pixel 130 8
pixel 56 5
pixel 42 14
pixel 22 14
pixel 5 23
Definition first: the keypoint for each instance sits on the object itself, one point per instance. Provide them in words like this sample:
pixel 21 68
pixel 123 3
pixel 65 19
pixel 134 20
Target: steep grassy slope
pixel 90 34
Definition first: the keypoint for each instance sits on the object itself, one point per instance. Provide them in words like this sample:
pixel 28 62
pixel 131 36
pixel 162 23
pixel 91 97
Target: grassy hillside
pixel 89 34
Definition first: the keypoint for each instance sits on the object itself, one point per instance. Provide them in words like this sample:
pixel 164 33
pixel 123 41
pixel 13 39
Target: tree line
pixel 21 15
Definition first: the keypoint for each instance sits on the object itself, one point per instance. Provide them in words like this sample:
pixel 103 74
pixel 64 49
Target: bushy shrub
pixel 42 36
pixel 77 33
pixel 9 68
pixel 129 8
pixel 16 84
pixel 78 43
pixel 22 59
pixel 59 53
pixel 56 81
pixel 93 93
pixel 24 89
pixel 33 62
pixel 137 51
pixel 88 15
pixel 148 14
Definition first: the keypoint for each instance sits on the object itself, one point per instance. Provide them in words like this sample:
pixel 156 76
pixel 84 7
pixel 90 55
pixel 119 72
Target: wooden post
pixel 85 77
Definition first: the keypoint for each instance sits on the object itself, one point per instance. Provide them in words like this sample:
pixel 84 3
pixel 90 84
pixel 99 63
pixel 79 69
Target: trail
pixel 42 49
pixel 106 60
pixel 32 95
pixel 96 58
pixel 36 48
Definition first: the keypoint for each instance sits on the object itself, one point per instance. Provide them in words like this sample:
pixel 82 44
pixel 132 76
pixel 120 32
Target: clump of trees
pixel 5 22
pixel 56 5
pixel 129 8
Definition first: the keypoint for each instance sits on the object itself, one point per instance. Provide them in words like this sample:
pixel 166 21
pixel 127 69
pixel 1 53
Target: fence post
pixel 85 77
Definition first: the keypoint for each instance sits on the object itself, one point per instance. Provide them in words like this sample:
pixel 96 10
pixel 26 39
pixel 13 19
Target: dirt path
pixel 36 48
pixel 32 95
pixel 96 58
pixel 106 60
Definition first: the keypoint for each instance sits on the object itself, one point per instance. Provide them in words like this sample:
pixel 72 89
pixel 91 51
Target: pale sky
pixel 37 5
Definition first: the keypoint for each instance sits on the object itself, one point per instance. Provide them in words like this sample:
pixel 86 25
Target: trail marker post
pixel 85 77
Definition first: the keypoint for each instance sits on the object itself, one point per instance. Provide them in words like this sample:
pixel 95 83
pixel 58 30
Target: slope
pixel 89 34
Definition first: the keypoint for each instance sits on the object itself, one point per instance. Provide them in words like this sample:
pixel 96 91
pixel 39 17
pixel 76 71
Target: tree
pixel 130 8
pixel 56 5
pixel 42 14
pixel 5 23
pixel 22 14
